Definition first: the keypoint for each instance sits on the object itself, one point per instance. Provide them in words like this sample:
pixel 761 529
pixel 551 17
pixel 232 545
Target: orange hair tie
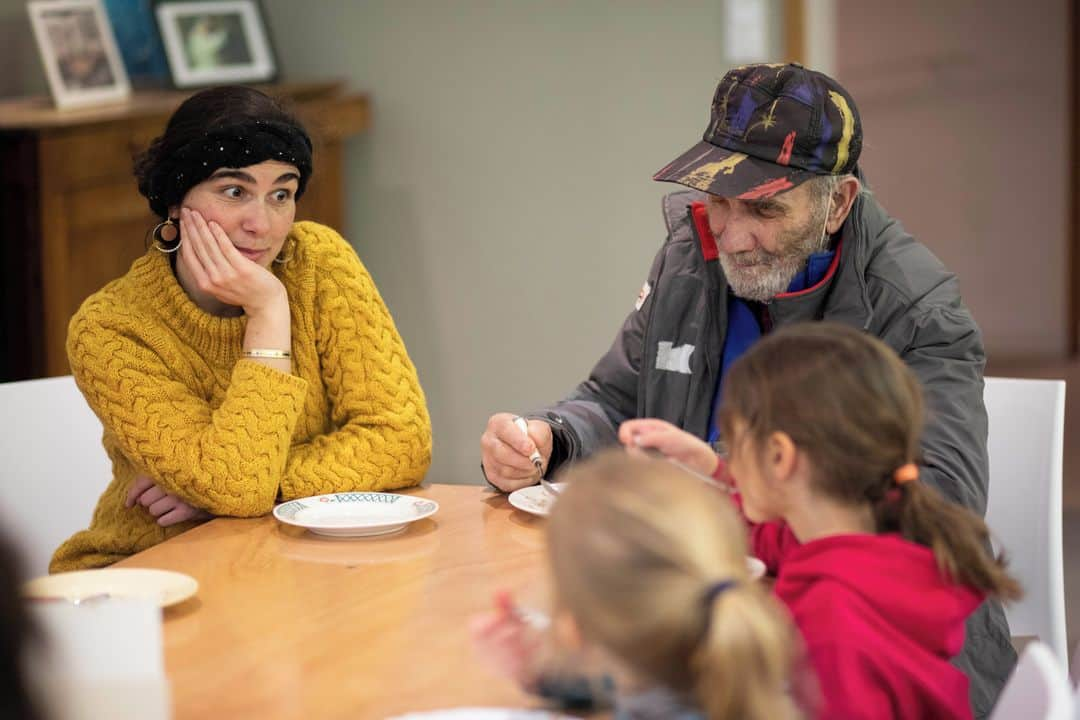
pixel 906 473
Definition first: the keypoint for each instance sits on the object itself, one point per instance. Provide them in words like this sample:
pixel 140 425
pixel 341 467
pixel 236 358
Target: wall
pixel 23 73
pixel 503 200
pixel 965 111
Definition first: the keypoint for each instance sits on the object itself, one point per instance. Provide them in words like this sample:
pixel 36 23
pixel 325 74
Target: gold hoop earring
pixel 166 232
pixel 282 260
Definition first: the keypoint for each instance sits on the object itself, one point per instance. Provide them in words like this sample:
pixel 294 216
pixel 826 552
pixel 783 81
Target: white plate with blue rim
pixel 355 514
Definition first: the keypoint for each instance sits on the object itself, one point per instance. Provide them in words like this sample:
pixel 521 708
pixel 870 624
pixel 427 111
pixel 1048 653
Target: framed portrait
pixel 211 42
pixel 79 52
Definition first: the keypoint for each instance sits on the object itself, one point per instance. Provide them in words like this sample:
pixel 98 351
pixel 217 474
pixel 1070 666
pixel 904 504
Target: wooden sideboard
pixel 74 219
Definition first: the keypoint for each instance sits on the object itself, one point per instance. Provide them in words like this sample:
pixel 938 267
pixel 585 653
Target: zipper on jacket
pixel 712 329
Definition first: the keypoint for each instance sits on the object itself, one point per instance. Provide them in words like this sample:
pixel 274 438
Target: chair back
pixel 1026 437
pixel 53 466
pixel 1038 689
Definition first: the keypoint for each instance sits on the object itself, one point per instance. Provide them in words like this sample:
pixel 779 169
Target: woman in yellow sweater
pixel 244 359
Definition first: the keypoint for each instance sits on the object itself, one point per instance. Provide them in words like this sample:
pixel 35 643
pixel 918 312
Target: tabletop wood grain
pixel 287 624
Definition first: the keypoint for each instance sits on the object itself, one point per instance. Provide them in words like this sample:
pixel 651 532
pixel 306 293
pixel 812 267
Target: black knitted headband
pixel 231 146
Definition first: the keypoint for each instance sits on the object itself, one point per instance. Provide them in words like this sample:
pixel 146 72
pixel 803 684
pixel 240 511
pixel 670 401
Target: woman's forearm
pixel 269 328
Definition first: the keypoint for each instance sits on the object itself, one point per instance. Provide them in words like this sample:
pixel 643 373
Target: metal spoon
pixel 537 461
pixel 549 487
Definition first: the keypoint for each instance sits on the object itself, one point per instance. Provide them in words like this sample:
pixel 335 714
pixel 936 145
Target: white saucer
pixel 533 499
pixel 355 514
pixel 164 587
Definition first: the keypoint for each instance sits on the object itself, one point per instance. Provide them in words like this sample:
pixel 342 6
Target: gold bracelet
pixel 265 353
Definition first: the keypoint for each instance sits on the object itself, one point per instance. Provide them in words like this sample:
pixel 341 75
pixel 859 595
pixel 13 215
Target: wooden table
pixel 290 625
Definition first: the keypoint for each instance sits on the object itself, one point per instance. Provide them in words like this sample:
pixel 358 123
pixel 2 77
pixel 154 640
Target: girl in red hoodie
pixel 822 425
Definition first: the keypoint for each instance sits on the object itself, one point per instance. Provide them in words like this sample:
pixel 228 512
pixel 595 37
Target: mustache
pixel 749 258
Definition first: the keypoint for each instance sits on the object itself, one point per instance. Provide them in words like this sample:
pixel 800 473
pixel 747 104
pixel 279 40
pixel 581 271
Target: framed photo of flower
pixel 79 52
pixel 213 42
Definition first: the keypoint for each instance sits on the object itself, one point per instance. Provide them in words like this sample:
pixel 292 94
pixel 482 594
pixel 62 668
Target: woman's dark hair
pixel 856 409
pixel 17 635
pixel 227 126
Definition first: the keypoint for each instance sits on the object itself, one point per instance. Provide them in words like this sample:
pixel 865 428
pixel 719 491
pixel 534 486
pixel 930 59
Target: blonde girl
pixel 648 567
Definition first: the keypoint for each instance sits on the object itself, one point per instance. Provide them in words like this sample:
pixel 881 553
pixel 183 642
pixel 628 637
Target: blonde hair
pixel 635 545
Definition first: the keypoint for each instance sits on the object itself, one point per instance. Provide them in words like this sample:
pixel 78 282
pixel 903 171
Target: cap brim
pixel 723 172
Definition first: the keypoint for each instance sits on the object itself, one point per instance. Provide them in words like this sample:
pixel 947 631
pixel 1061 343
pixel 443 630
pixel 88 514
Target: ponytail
pixel 959 538
pixel 851 404
pixel 650 563
pixel 742 665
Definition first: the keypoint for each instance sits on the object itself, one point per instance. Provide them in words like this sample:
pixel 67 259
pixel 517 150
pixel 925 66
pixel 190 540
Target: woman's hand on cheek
pixel 221 271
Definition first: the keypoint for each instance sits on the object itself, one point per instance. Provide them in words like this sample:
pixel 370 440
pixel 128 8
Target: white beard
pixel 758 275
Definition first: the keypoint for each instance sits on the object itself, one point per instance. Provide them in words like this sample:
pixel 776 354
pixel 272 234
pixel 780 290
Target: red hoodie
pixel 880 622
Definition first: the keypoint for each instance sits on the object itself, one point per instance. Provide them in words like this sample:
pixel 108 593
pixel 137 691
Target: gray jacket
pixel 665 363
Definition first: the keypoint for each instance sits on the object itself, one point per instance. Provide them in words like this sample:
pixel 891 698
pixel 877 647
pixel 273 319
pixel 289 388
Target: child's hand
pixel 671 442
pixel 506 643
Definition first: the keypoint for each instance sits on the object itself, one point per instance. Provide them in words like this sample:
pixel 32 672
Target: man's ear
pixel 842 200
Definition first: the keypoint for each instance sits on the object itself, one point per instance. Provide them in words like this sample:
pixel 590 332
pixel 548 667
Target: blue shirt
pixel 744 328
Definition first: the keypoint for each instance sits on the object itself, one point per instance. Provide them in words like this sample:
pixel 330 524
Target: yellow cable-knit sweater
pixel 230 435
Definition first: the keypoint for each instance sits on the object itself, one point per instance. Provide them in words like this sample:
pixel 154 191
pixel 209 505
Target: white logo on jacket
pixel 673 359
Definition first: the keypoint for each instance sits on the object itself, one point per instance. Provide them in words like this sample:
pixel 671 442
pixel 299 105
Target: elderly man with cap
pixel 776 228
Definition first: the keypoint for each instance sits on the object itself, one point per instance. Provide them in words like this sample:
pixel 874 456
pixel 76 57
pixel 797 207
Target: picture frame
pixel 215 42
pixel 79 52
pixel 137 38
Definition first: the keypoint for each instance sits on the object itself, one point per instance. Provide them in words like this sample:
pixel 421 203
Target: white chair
pixel 1038 689
pixel 1027 430
pixel 1076 700
pixel 53 467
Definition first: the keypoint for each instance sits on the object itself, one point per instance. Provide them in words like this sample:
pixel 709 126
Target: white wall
pixel 503 200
